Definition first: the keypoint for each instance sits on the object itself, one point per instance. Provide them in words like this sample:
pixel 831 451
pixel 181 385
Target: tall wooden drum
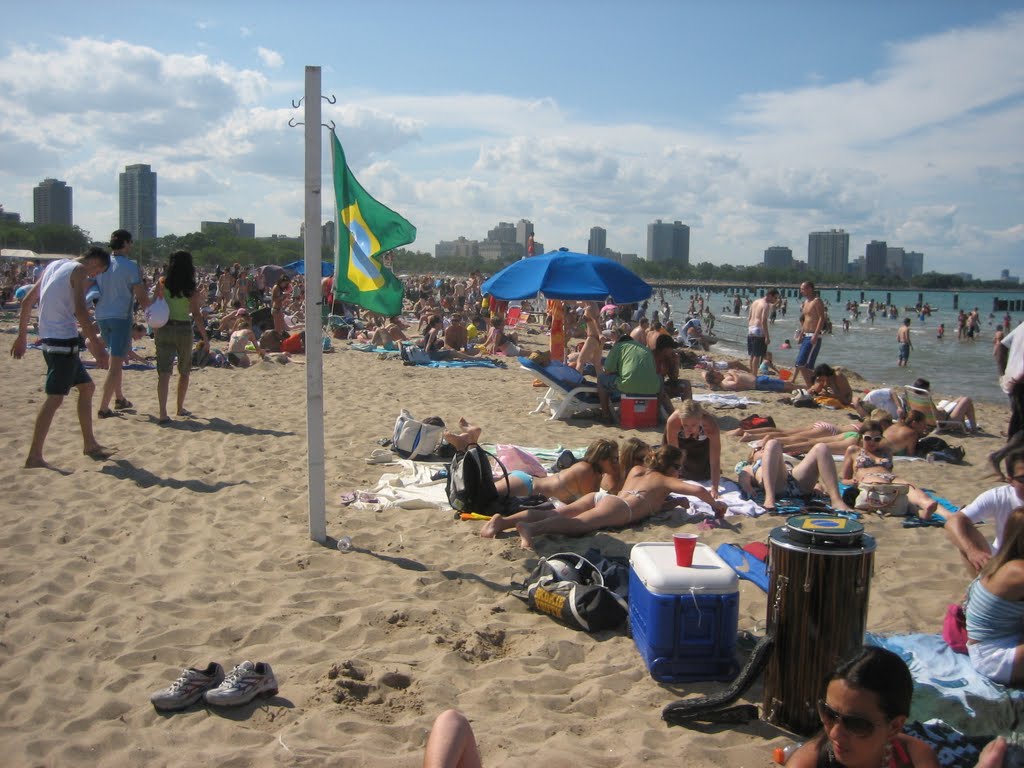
pixel 820 570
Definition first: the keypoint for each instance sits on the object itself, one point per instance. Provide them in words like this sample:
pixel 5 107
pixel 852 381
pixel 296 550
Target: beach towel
pixel 947 687
pixel 725 401
pixel 730 493
pixel 957 750
pixel 746 564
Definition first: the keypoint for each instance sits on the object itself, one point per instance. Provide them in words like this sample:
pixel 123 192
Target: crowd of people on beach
pixel 95 301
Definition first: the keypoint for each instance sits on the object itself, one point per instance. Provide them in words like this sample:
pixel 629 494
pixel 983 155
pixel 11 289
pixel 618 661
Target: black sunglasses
pixel 855 724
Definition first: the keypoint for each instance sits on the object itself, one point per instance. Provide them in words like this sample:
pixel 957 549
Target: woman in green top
pixel 180 288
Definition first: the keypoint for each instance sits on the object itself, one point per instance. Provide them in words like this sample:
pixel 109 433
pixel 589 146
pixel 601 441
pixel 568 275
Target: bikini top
pixel 864 461
pixel 699 437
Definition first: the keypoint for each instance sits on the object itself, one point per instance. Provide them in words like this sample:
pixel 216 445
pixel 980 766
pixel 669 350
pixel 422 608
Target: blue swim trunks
pixel 525 477
pixel 807 355
pixel 118 335
pixel 769 384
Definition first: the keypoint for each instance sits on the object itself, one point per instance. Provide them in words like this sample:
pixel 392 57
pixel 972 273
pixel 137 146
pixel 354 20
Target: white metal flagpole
pixel 314 326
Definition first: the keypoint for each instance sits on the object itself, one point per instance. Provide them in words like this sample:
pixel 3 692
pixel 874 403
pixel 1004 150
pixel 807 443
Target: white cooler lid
pixel 654 563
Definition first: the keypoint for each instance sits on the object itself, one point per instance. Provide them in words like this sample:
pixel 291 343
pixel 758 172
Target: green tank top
pixel 180 307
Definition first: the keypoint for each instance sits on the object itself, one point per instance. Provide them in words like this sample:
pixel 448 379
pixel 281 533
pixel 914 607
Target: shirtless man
pixel 757 327
pixel 455 335
pixel 813 313
pixel 742 381
pixel 903 339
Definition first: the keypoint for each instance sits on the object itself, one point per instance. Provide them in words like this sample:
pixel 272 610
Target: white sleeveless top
pixel 57 302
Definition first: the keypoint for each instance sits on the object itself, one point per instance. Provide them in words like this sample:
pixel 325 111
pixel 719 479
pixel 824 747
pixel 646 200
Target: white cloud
pixel 270 58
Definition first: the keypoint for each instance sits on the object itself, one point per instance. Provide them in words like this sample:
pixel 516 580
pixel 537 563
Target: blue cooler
pixel 683 620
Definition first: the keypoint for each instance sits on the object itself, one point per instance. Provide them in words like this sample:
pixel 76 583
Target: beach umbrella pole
pixel 314 329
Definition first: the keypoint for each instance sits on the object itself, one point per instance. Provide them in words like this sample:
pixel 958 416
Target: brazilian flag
pixel 371 228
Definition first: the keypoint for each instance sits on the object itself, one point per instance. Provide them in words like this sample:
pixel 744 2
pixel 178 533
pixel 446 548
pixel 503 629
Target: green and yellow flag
pixel 371 228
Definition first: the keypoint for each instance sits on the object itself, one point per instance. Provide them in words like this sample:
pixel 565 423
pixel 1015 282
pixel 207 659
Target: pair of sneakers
pixel 243 684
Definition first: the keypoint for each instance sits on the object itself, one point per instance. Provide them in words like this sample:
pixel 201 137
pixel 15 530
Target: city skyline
pixel 753 125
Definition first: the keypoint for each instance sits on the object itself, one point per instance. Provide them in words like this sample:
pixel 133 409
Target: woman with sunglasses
pixel 870 463
pixel 866 703
pixel 995 609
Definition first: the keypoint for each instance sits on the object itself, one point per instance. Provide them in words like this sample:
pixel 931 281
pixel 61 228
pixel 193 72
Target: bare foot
pixel 183 413
pixel 925 513
pixel 36 462
pixel 525 531
pixel 99 453
pixel 840 506
pixel 492 527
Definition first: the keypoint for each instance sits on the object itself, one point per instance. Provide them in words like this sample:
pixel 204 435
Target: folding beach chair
pixel 568 392
pixel 514 315
pixel 921 400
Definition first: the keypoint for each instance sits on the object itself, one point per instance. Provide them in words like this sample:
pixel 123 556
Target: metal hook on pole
pixel 329 124
pixel 297 104
pixel 293 123
pixel 332 99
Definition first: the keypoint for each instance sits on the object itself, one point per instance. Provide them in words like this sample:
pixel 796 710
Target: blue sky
pixel 755 123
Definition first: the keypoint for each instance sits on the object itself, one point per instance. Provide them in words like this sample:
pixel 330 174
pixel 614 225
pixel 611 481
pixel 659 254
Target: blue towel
pixel 745 564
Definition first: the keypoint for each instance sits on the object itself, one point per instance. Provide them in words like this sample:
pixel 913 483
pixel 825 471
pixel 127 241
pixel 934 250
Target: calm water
pixel 953 367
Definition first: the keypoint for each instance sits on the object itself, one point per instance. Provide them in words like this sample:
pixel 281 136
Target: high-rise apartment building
pixel 524 232
pixel 913 264
pixel 137 187
pixel 237 227
pixel 778 257
pixel 828 253
pixel 875 255
pixel 51 203
pixel 668 242
pixel 598 242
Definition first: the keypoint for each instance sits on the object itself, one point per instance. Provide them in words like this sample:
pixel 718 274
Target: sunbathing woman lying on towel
pixel 598 469
pixel 644 492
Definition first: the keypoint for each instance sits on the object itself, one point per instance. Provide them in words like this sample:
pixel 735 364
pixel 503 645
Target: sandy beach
pixel 192 545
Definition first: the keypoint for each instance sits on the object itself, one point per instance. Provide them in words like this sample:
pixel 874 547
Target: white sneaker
pixel 245 683
pixel 188 688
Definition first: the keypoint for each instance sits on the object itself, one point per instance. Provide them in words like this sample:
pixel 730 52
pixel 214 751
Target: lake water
pixel 953 367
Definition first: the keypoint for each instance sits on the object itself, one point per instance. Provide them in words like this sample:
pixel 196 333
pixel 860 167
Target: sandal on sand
pixel 122 403
pixel 105 414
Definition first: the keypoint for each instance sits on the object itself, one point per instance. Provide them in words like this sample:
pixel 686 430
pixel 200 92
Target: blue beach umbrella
pixel 299 268
pixel 568 276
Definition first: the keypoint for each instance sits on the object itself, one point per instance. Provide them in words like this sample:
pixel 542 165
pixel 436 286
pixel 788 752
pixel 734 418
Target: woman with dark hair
pixel 643 493
pixel 862 713
pixel 180 289
pixel 902 436
pixel 995 609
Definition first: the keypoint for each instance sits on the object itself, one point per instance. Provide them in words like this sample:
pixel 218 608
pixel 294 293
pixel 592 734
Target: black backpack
pixel 471 486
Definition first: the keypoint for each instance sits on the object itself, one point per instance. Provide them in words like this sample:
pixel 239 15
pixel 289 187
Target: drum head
pixel 824 531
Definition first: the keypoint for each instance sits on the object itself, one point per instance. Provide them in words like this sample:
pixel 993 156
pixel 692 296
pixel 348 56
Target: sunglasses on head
pixel 855 724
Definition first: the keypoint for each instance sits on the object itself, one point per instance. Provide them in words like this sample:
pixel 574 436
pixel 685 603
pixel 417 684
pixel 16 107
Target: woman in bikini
pixel 870 462
pixel 695 432
pixel 799 441
pixel 241 338
pixel 599 468
pixel 280 294
pixel 769 470
pixel 594 343
pixel 644 492
pixel 862 713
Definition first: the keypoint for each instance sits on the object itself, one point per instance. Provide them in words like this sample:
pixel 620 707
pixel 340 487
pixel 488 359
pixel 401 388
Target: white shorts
pixel 994 658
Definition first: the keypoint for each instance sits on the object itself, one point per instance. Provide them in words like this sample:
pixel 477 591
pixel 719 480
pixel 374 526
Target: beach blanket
pixel 720 400
pixel 947 687
pixel 957 750
pixel 411 487
pixel 745 563
pixel 730 493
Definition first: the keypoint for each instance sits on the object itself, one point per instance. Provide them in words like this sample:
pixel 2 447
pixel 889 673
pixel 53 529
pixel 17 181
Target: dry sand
pixel 192 545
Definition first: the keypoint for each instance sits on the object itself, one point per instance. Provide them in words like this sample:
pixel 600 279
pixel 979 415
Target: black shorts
pixel 64 368
pixel 757 346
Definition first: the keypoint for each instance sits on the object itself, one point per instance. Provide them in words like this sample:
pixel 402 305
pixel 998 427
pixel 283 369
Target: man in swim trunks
pixel 757 326
pixel 813 313
pixel 60 292
pixel 903 340
pixel 742 381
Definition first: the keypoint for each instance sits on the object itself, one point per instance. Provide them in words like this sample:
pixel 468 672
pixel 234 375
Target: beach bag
pixel 158 313
pixel 801 398
pixel 570 588
pixel 412 439
pixel 470 486
pixel 954 628
pixel 886 498
pixel 516 459
pixel 413 355
pixel 757 422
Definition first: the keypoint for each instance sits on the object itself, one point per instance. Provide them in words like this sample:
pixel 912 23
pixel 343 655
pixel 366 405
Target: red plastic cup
pixel 685 544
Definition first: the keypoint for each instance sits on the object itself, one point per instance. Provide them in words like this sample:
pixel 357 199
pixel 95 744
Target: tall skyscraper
pixel 828 253
pixel 778 257
pixel 51 203
pixel 137 186
pixel 668 242
pixel 913 264
pixel 598 241
pixel 524 231
pixel 875 255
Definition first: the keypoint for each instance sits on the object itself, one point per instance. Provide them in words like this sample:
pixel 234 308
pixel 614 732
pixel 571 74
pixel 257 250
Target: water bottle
pixel 781 755
pixel 345 544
